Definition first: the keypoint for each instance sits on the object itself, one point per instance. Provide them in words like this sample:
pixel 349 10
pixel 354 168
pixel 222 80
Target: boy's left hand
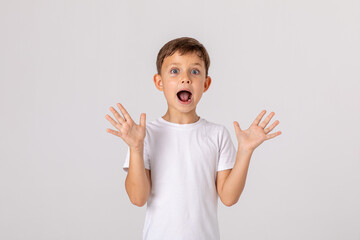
pixel 256 134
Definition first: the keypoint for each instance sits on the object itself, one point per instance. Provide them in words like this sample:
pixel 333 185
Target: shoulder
pixel 214 127
pixel 154 130
pixel 154 125
pixel 216 132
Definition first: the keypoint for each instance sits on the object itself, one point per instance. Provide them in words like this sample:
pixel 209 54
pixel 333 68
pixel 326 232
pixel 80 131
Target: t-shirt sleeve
pixel 146 156
pixel 227 151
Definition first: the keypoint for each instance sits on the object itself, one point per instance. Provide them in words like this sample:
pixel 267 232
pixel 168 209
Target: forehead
pixel 190 58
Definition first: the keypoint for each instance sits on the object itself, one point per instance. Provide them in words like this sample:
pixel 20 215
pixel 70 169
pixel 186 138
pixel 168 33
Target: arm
pixel 137 183
pixel 231 182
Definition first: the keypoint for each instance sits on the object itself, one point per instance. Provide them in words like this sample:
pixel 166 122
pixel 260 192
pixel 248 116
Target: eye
pixel 174 70
pixel 195 71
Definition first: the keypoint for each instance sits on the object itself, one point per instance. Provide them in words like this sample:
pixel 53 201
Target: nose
pixel 185 79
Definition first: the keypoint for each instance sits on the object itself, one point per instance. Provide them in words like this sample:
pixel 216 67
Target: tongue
pixel 184 96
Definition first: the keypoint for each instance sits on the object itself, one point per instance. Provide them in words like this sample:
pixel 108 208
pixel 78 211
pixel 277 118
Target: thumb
pixel 237 127
pixel 143 119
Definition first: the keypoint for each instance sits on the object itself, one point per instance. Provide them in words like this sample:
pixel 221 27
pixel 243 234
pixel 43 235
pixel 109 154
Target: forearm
pixel 235 182
pixel 137 184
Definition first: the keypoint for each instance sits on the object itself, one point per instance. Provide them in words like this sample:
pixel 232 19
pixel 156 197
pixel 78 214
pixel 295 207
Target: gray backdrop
pixel 64 63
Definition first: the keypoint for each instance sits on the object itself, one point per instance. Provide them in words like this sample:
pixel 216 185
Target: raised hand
pixel 256 134
pixel 129 131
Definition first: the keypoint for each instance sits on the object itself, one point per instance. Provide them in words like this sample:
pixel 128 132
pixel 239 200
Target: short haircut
pixel 183 45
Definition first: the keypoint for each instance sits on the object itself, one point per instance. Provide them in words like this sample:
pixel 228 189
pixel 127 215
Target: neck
pixel 181 118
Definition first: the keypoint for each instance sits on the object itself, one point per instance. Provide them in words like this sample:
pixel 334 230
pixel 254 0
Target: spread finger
pixel 117 115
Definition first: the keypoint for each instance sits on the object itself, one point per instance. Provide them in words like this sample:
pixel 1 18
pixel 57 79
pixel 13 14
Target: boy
pixel 180 163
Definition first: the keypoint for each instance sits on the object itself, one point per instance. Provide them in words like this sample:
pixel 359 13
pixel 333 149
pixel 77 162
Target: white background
pixel 64 63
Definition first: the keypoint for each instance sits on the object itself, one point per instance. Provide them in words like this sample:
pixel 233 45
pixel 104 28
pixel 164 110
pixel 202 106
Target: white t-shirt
pixel 184 160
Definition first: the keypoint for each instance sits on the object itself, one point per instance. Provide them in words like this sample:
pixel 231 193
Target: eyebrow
pixel 190 64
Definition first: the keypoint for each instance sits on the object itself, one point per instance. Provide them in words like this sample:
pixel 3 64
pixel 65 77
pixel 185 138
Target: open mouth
pixel 184 96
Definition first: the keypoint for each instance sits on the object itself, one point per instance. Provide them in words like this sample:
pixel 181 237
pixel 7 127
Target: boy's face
pixel 180 72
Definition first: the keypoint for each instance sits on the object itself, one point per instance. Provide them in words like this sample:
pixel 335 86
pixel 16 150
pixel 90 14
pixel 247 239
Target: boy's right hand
pixel 129 131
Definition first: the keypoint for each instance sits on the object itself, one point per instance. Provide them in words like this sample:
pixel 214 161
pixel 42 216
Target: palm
pixel 133 134
pixel 256 134
pixel 253 136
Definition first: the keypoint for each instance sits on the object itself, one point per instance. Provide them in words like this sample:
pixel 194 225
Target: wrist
pixel 246 149
pixel 137 148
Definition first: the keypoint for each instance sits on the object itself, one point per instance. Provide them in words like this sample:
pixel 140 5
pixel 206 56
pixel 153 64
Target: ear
pixel 207 83
pixel 158 82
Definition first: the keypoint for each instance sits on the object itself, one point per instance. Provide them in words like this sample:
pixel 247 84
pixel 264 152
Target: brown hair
pixel 183 45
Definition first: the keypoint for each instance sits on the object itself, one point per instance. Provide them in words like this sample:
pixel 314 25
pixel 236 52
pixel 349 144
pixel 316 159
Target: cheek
pixel 198 94
pixel 200 87
pixel 169 89
pixel 199 91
